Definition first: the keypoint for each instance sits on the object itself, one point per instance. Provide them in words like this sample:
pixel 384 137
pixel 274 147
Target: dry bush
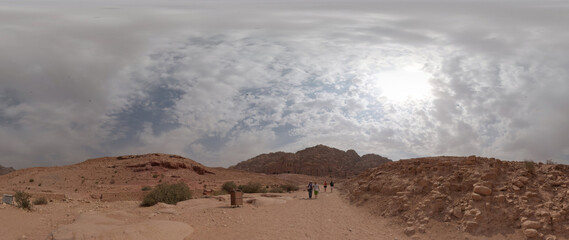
pixel 289 187
pixel 23 200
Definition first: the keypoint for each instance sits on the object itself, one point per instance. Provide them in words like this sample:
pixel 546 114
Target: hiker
pixel 316 189
pixel 331 186
pixel 325 186
pixel 309 188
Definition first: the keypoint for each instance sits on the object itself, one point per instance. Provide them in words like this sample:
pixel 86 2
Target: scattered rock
pixel 409 231
pixel 531 233
pixel 482 195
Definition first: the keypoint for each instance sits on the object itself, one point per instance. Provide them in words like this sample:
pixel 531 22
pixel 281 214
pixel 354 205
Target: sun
pixel 402 84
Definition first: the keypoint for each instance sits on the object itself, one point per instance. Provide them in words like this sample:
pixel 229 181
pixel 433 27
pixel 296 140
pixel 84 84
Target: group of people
pixel 316 188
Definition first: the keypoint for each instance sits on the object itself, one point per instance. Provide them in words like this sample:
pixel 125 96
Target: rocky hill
pixel 5 170
pixel 319 160
pixel 122 177
pixel 479 195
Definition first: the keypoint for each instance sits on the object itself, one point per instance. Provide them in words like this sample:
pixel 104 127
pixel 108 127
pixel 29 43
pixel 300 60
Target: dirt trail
pixel 273 216
pixel 328 217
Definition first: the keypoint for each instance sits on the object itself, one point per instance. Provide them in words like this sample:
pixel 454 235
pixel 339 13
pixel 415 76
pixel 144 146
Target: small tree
pixel 228 186
pixel 23 200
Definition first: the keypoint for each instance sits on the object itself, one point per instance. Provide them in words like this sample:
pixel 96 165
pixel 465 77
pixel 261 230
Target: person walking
pixel 309 188
pixel 316 190
pixel 325 186
pixel 331 186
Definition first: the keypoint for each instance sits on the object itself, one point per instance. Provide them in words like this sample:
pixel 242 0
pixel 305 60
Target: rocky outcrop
pixel 480 195
pixel 319 160
pixel 6 170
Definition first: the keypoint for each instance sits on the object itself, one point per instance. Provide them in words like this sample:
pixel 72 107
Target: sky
pixel 223 81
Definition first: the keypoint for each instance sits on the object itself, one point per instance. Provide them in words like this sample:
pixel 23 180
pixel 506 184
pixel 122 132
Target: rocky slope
pixel 319 160
pixel 5 170
pixel 480 195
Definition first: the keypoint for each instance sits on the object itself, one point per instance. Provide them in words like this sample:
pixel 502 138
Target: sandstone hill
pixel 483 196
pixel 122 178
pixel 319 160
pixel 5 170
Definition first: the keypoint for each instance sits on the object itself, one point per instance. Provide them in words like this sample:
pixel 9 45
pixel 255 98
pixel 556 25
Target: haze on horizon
pixel 223 81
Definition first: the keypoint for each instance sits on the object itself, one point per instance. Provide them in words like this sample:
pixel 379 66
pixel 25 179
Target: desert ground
pixel 263 216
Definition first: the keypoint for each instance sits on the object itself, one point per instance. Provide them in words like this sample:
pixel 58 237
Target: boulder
pixel 476 197
pixel 531 224
pixel 531 233
pixel 409 231
pixel 483 190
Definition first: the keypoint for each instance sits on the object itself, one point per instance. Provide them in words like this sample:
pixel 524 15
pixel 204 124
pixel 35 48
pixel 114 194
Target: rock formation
pixel 319 160
pixel 6 170
pixel 480 195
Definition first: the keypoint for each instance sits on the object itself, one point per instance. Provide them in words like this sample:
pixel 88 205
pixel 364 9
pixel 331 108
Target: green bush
pixel 31 180
pixel 146 188
pixel 23 200
pixel 40 201
pixel 252 187
pixel 167 193
pixel 228 186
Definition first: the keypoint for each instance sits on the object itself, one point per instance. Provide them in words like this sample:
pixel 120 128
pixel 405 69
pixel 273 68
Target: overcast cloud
pixel 223 81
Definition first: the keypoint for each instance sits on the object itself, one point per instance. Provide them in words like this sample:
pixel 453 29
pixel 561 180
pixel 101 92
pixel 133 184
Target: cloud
pixel 223 84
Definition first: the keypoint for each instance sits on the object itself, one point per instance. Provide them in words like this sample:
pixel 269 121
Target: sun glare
pixel 403 84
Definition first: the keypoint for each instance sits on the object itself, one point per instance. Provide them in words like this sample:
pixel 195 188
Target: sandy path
pixel 292 216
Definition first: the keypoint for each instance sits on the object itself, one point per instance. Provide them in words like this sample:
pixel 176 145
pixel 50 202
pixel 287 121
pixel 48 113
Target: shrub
pixel 289 187
pixel 112 181
pixel 31 180
pixel 167 193
pixel 23 200
pixel 530 166
pixel 277 190
pixel 146 188
pixel 252 187
pixel 228 186
pixel 40 201
pixel 155 176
